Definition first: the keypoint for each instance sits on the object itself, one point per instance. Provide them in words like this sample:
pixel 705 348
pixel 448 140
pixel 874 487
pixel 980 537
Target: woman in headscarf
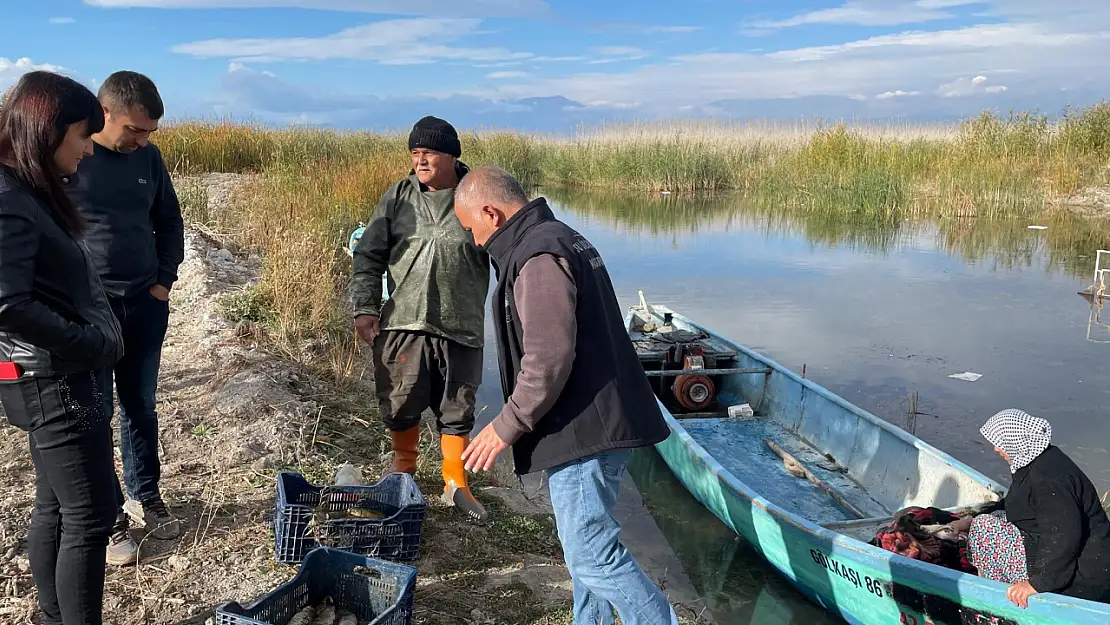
pixel 1051 533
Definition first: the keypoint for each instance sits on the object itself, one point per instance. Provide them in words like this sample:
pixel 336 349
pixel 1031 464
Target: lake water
pixel 872 311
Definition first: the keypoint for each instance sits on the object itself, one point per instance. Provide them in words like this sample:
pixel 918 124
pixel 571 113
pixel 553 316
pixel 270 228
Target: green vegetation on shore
pixel 310 188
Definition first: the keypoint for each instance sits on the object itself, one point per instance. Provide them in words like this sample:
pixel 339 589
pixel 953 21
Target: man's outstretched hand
pixel 483 450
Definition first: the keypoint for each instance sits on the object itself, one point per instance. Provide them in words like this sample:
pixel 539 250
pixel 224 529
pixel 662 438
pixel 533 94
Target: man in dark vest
pixel 576 398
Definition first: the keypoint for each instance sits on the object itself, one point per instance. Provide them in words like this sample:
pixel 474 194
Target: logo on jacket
pixel 142 180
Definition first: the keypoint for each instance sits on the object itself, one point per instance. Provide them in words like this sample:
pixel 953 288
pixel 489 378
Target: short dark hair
pixel 126 89
pixel 36 115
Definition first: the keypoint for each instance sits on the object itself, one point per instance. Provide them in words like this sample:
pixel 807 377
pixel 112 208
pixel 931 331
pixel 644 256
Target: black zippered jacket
pixel 54 314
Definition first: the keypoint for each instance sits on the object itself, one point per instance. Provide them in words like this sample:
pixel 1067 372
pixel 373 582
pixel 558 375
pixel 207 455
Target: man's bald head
pixel 485 199
pixel 490 185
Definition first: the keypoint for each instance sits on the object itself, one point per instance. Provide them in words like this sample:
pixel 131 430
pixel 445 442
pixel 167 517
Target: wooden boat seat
pixel 739 446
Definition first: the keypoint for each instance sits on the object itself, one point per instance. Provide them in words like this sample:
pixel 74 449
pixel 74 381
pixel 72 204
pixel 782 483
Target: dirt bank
pixel 233 414
pixel 1093 202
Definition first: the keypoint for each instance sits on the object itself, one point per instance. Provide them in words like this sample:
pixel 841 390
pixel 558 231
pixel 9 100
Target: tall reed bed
pixel 313 186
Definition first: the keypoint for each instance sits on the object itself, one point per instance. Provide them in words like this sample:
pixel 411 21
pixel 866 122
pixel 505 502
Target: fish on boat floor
pixel 738 444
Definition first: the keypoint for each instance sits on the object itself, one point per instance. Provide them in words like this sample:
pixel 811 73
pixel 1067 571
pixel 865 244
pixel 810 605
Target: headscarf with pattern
pixel 1021 435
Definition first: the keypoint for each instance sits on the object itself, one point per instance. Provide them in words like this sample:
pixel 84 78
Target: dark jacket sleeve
pixel 169 227
pixel 20 313
pixel 370 258
pixel 1060 537
pixel 546 298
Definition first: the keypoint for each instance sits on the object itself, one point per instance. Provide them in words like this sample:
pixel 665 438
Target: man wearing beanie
pixel 427 338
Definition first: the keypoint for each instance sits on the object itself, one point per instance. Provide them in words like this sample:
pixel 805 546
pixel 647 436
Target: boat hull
pixel 864 584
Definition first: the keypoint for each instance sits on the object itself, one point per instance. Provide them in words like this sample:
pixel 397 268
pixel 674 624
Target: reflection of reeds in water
pixel 1006 242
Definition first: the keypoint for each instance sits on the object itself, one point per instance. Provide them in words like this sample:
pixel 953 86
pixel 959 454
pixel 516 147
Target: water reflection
pixel 735 584
pixel 1067 243
pixel 1098 323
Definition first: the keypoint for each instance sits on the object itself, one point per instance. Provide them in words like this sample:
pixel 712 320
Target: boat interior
pixel 798 446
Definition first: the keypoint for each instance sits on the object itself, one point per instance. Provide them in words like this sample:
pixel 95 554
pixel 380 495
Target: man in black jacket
pixel 576 398
pixel 136 236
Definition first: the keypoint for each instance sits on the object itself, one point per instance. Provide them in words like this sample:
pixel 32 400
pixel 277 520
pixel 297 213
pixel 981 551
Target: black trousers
pixel 77 492
pixel 415 371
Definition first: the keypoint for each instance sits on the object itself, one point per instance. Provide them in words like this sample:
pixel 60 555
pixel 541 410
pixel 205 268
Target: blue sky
pixel 552 64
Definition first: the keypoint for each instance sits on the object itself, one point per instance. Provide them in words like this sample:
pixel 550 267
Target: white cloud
pixel 614 54
pixel 1036 51
pixel 62 20
pixel 869 13
pixel 506 75
pixel 1087 13
pixel 559 59
pixel 10 71
pixel 620 51
pixel 972 37
pixel 672 29
pixel 1042 51
pixel 896 94
pixel 390 42
pixel 963 87
pixel 442 8
pixel 499 64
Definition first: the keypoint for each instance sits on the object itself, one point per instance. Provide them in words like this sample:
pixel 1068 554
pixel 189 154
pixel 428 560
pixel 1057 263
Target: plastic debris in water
pixel 1038 227
pixel 966 376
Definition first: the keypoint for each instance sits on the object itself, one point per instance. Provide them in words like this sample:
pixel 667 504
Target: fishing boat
pixel 807 479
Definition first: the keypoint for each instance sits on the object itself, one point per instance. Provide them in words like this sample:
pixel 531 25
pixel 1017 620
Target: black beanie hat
pixel 435 134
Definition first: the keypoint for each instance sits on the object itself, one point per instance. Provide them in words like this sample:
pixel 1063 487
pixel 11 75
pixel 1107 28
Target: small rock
pixel 23 564
pixel 178 563
pixel 9 554
pixel 225 256
pixel 263 464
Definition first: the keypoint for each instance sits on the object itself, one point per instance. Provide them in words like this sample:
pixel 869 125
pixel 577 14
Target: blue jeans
pixel 605 576
pixel 144 320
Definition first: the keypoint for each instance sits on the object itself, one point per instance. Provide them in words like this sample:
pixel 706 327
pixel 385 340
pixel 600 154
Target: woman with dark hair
pixel 57 338
pixel 1050 533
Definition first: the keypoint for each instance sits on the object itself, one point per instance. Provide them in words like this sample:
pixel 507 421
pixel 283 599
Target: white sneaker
pixel 155 517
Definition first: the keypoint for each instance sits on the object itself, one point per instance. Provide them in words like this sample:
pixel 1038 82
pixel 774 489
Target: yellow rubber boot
pixel 406 446
pixel 455 491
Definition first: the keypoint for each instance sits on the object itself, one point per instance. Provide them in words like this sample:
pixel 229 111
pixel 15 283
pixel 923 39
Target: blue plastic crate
pixel 375 591
pixel 396 536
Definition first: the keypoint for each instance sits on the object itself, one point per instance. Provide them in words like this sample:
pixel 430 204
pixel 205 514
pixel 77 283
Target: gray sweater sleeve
pixel 546 298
